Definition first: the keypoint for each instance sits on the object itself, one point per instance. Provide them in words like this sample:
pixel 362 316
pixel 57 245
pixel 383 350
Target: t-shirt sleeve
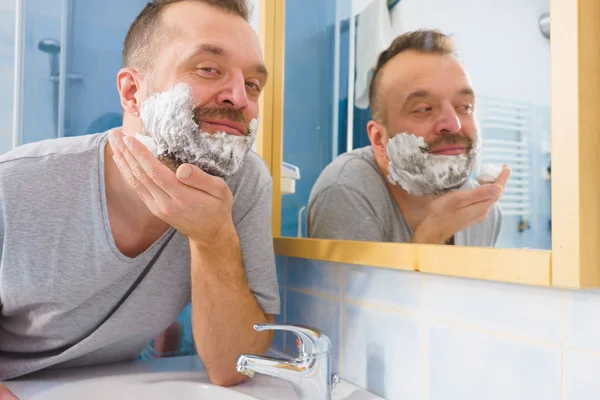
pixel 1 248
pixel 343 213
pixel 497 218
pixel 258 256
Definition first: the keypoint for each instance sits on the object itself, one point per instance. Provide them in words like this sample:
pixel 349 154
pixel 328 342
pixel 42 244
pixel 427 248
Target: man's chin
pixel 172 162
pixel 169 161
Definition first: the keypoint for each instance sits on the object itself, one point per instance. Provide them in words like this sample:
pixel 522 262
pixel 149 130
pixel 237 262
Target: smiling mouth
pixel 449 151
pixel 230 127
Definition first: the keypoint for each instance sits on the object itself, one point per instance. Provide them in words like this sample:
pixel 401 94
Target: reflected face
pixel 429 96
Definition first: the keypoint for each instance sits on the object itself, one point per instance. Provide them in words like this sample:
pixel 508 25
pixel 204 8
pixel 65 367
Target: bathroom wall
pixel 409 335
pixel 515 67
pixel 7 59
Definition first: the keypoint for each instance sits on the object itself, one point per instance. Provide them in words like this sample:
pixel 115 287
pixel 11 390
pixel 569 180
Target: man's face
pixel 219 56
pixel 429 96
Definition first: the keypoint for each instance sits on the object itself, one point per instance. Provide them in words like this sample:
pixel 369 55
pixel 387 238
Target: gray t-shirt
pixel 61 272
pixel 350 201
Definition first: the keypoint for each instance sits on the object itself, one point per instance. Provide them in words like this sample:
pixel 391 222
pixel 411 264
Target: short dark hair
pixel 422 41
pixel 146 33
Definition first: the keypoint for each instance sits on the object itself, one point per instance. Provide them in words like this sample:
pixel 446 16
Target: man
pixel 103 245
pixel 424 145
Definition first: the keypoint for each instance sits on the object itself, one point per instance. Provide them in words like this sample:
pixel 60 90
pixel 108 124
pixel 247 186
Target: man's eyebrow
pixel 466 92
pixel 212 49
pixel 420 94
pixel 417 94
pixel 262 71
pixel 221 52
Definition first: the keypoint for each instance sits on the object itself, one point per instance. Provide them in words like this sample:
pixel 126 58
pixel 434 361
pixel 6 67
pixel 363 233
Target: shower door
pixel 68 53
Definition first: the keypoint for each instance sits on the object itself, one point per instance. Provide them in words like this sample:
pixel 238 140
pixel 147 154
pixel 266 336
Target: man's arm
pixel 224 310
pixel 200 207
pixel 6 394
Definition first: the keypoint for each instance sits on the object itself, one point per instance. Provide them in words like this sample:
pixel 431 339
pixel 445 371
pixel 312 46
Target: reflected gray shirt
pixel 61 272
pixel 351 201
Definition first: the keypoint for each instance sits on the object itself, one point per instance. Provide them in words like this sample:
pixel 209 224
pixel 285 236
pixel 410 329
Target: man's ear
pixel 128 85
pixel 378 137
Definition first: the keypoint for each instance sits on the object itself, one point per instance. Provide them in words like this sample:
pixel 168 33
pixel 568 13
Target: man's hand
pixel 196 204
pixel 457 210
pixel 6 394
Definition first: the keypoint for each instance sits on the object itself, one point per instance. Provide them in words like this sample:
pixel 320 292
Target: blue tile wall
pixel 409 335
pixel 7 59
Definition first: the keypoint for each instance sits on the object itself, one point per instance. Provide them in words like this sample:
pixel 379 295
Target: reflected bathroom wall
pixel 308 98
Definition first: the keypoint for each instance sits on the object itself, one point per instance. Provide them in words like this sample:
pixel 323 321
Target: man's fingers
pixel 196 178
pixel 477 212
pixel 465 198
pixel 503 177
pixel 6 394
pixel 118 148
pixel 153 175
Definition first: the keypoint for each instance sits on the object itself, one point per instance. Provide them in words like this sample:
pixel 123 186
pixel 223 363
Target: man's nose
pixel 448 121
pixel 234 93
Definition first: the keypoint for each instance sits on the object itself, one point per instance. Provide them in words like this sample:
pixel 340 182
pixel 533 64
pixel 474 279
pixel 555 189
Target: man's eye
pixel 208 70
pixel 253 85
pixel 422 110
pixel 466 108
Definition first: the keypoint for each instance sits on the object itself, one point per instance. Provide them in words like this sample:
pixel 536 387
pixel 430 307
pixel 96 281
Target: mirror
pixel 506 61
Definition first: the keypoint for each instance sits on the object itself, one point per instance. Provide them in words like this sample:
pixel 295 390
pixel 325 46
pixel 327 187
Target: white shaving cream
pixel 489 173
pixel 421 173
pixel 169 129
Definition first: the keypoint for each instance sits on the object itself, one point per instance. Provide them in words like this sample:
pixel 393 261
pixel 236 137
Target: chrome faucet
pixel 309 374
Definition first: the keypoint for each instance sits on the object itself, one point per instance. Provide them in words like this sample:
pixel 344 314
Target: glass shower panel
pixel 41 30
pixel 72 53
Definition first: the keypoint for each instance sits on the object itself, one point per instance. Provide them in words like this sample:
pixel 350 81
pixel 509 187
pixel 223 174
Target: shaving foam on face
pixel 148 142
pixel 421 173
pixel 168 119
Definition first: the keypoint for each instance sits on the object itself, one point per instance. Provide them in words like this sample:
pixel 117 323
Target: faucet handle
pixel 312 341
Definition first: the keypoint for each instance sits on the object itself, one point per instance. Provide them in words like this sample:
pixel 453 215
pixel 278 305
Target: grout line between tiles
pixel 315 293
pixel 425 394
pixel 412 314
pixel 563 341
pixel 341 323
pixel 589 352
pixel 285 296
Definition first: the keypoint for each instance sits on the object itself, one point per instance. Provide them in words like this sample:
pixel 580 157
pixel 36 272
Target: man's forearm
pixel 224 310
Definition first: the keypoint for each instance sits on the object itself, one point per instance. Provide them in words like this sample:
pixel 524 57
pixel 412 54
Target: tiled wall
pixel 408 335
pixel 7 59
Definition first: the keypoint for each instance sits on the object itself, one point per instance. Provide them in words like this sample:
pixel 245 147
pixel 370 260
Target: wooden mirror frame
pixel 574 261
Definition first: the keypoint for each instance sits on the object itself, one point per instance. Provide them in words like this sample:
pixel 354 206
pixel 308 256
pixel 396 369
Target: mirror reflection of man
pixel 412 184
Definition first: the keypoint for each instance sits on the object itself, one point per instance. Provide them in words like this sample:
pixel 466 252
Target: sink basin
pixel 180 378
pixel 183 386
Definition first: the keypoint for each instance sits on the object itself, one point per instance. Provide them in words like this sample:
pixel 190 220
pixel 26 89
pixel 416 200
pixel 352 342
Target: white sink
pixel 180 378
pixel 180 385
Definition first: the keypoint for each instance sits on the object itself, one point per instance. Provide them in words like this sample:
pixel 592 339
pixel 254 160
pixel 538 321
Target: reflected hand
pixel 6 394
pixel 195 203
pixel 455 211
